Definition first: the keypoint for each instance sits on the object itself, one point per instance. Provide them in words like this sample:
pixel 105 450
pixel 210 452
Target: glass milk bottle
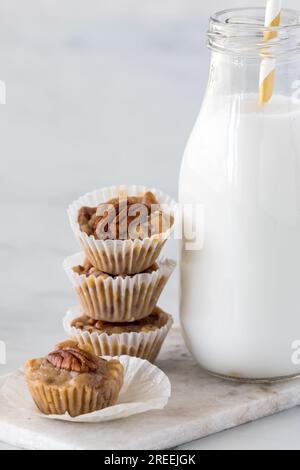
pixel 240 191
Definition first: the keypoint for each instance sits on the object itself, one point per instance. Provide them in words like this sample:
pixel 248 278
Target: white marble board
pixel 200 405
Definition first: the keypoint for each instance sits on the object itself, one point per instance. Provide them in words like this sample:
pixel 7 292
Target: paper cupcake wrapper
pixel 145 345
pixel 75 400
pixel 145 388
pixel 118 299
pixel 120 256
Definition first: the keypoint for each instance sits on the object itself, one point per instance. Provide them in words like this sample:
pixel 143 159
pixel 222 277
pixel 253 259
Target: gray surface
pixel 97 93
pixel 278 432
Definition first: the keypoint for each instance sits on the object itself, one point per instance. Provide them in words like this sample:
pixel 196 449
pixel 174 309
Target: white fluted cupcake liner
pixel 118 299
pixel 145 388
pixel 145 345
pixel 78 399
pixel 120 256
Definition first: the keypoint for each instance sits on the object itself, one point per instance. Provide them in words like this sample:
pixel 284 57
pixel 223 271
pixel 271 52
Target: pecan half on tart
pixel 74 381
pixel 143 338
pixel 117 298
pixel 123 234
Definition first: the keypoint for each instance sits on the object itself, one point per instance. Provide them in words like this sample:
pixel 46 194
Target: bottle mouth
pixel 243 30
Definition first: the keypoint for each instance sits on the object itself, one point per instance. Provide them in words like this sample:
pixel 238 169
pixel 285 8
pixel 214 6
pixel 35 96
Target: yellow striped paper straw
pixel 268 65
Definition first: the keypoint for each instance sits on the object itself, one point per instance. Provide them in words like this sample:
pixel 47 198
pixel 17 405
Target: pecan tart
pixel 73 380
pixel 88 270
pixel 125 217
pixel 117 298
pixel 122 230
pixel 153 322
pixel 143 338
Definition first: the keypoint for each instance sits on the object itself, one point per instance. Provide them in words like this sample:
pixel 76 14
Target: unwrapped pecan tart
pixel 73 380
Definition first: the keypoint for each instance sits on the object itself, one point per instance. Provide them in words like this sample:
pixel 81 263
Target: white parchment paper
pixel 145 388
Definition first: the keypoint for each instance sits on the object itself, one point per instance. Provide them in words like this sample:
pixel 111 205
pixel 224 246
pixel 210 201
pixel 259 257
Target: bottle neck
pixel 240 41
pixel 232 74
pixel 242 31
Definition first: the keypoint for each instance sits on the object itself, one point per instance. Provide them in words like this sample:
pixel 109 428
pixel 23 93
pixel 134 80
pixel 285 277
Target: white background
pixel 98 93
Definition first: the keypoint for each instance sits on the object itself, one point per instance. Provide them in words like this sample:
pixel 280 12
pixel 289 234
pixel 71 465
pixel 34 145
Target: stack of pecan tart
pixel 120 274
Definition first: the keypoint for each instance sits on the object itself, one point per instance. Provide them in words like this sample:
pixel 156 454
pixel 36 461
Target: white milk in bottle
pixel 240 289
